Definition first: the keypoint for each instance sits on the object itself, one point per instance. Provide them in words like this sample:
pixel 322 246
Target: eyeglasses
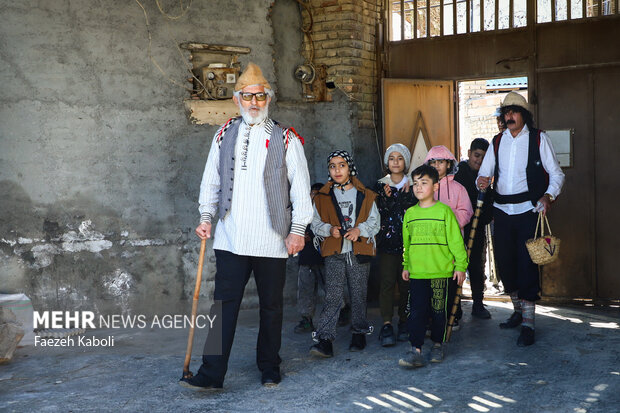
pixel 247 96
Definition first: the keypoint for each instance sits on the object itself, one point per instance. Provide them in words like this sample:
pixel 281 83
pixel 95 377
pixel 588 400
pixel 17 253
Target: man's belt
pixel 512 199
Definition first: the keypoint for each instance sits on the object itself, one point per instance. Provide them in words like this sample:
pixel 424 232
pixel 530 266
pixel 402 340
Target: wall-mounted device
pixel 215 69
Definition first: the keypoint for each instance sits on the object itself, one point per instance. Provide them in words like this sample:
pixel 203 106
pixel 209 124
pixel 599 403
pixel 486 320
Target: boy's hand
pixel 352 234
pixel 405 275
pixel 459 276
pixel 335 232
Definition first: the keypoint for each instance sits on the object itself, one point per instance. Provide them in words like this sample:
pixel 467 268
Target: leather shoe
pixel 199 382
pixel 270 378
pixel 479 311
pixel 515 320
pixel 526 338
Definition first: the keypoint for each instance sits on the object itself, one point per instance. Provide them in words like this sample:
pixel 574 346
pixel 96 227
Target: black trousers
pixel 477 260
pixel 428 298
pixel 517 270
pixel 232 274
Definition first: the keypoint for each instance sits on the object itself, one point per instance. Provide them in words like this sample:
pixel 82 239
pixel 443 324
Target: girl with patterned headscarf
pixel 345 223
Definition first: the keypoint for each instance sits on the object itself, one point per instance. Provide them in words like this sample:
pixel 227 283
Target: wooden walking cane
pixel 470 243
pixel 190 340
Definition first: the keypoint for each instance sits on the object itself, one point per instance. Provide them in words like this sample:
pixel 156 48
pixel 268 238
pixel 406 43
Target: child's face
pixel 396 163
pixel 441 165
pixel 338 169
pixel 423 187
pixel 475 158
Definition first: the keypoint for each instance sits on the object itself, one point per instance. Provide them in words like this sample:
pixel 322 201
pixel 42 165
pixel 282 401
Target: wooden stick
pixel 190 339
pixel 470 243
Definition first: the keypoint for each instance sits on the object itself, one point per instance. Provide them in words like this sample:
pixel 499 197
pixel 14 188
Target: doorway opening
pixel 479 101
pixel 478 111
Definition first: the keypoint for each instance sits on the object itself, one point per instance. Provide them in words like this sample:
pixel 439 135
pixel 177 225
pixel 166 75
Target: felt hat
pixel 400 148
pixel 252 75
pixel 515 99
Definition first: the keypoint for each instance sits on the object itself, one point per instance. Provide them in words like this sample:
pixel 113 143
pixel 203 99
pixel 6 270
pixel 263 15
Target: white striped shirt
pixel 246 228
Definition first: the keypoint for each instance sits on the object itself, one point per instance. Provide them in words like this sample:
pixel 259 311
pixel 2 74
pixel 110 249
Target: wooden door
pixel 418 114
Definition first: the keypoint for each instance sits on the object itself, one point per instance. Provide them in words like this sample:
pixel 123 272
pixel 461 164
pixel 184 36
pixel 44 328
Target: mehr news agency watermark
pixel 84 320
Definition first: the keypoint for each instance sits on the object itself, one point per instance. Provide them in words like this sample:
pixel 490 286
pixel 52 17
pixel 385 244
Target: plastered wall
pixel 100 166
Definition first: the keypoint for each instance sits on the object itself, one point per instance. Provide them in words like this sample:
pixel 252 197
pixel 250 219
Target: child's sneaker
pixel 358 342
pixel 386 336
pixel 437 353
pixel 305 325
pixel 323 348
pixel 403 334
pixel 412 359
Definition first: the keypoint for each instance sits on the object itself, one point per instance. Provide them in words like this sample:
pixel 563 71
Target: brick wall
pixel 343 35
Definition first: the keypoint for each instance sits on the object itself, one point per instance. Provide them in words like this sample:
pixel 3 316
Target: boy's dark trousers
pixel 421 294
pixel 477 261
pixel 232 274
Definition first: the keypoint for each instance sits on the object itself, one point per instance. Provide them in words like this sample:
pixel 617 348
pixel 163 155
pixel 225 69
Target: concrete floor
pixel 573 367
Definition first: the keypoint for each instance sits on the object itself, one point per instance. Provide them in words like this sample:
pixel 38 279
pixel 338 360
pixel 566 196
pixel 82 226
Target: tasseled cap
pixel 252 75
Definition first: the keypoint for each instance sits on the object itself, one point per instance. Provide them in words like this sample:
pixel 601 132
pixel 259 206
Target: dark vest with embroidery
pixel 537 176
pixel 277 187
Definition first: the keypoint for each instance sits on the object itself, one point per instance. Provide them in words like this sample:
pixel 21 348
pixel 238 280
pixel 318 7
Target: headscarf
pixel 352 171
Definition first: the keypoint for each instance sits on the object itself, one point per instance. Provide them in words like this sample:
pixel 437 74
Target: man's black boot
pixel 526 338
pixel 479 311
pixel 515 320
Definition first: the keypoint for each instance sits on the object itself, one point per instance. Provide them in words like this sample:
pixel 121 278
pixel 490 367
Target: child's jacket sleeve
pixel 455 242
pixel 463 210
pixel 371 226
pixel 319 227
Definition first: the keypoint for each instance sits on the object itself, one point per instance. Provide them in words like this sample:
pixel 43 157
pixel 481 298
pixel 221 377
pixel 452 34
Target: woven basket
pixel 543 249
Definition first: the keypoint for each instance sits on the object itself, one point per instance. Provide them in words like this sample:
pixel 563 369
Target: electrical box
pixel 215 81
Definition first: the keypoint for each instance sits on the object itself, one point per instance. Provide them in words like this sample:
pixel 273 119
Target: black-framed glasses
pixel 247 96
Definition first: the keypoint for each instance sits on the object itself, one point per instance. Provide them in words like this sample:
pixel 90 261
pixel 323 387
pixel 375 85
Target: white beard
pixel 254 120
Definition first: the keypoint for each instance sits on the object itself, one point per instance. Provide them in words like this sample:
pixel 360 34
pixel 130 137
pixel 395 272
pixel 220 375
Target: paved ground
pixel 573 367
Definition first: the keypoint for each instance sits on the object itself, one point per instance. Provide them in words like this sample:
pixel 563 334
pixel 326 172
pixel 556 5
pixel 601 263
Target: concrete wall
pixel 99 165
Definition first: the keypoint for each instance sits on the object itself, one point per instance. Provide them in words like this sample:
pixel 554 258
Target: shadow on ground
pixel 573 367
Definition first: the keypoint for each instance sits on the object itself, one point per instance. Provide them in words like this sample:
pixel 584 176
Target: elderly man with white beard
pixel 256 179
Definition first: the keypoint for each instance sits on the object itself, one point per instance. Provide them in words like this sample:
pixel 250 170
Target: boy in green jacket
pixel 433 252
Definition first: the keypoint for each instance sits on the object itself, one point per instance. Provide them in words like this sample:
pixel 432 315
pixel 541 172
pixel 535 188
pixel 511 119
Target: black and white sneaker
pixel 323 348
pixel 358 342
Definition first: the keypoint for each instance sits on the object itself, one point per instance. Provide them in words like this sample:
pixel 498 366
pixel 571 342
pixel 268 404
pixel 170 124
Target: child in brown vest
pixel 345 222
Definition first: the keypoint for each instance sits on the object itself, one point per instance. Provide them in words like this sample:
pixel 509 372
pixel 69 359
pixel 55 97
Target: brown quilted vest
pixel 327 211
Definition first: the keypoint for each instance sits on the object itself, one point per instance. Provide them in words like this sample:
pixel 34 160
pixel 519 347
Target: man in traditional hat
pixel 256 178
pixel 527 179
